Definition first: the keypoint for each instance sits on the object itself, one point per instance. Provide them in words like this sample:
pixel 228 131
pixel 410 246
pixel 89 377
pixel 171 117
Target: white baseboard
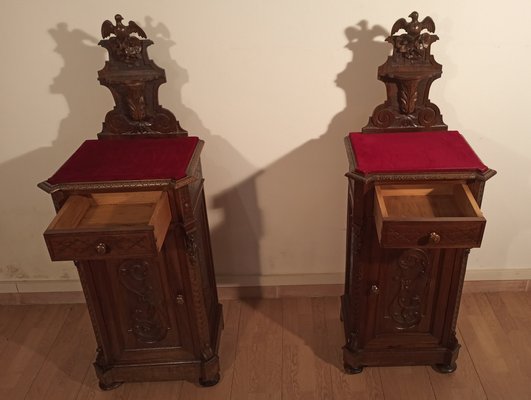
pixel 513 274
pixel 40 286
pixel 224 281
pixel 280 280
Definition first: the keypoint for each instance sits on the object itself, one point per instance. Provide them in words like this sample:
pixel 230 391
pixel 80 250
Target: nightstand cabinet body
pixel 142 250
pixel 414 198
pixel 404 282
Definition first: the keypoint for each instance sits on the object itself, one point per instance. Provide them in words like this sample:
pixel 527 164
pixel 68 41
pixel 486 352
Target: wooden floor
pixel 274 349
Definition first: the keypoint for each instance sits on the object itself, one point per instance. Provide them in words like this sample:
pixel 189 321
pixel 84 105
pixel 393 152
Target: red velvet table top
pixel 127 159
pixel 413 152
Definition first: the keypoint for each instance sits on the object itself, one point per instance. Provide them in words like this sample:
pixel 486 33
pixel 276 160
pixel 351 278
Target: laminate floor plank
pixel 24 355
pixel 69 358
pixel 496 359
pixel 366 385
pixel 10 319
pixel 258 363
pixel 406 382
pixel 274 349
pixel 227 356
pixel 515 320
pixel 170 390
pixel 464 383
pixel 305 366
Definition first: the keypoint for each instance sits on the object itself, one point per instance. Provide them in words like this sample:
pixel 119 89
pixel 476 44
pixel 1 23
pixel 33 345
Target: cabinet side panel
pixel 205 260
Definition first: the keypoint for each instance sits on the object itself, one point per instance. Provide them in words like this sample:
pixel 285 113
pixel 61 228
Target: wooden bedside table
pixel 414 198
pixel 131 214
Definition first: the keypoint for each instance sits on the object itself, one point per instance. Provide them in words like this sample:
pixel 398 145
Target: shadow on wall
pixel 235 240
pixel 29 206
pixel 304 193
pixel 88 102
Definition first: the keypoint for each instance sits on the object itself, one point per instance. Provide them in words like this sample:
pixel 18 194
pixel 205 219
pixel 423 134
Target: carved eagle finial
pixel 120 30
pixel 414 27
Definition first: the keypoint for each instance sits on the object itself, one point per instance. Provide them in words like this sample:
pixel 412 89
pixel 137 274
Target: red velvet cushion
pixel 413 152
pixel 123 159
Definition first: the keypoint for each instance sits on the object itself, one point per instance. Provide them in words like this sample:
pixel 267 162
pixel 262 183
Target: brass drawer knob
pixel 179 299
pixel 101 248
pixel 435 237
pixel 375 289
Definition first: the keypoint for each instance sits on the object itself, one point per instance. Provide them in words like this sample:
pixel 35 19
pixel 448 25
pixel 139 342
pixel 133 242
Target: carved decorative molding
pixel 198 301
pixel 412 274
pixel 191 248
pixel 134 81
pixel 356 241
pixel 154 184
pixel 408 74
pixel 421 177
pixel 148 325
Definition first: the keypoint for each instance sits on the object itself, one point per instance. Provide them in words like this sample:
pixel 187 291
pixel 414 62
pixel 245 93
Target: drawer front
pixel 109 225
pixel 433 215
pixel 64 246
pixel 432 234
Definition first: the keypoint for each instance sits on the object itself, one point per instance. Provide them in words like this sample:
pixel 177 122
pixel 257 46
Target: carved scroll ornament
pixel 412 275
pixel 147 321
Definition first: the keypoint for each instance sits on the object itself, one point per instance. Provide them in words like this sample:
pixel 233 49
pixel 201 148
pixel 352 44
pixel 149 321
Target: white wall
pixel 272 87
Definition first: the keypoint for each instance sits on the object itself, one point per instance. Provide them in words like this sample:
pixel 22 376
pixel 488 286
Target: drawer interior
pixel 107 211
pixel 423 201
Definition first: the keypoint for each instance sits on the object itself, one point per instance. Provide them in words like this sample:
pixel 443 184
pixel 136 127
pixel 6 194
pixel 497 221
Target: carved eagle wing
pixel 134 28
pixel 427 23
pixel 107 28
pixel 401 24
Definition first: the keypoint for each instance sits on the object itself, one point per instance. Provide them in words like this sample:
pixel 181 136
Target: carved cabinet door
pixel 409 298
pixel 142 308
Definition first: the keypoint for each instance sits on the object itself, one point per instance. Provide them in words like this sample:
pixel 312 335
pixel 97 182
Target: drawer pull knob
pixel 179 299
pixel 101 248
pixel 435 237
pixel 375 289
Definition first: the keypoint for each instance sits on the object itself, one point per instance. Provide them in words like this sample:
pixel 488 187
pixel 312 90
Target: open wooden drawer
pixel 428 215
pixel 109 225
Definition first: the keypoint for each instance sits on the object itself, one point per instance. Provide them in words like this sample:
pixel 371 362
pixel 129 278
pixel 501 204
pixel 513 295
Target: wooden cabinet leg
pixel 109 386
pixel 445 368
pixel 352 370
pixel 210 382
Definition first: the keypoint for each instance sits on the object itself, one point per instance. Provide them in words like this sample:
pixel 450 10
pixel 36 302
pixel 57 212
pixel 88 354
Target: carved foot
pixel 211 382
pixel 352 370
pixel 445 368
pixel 109 386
